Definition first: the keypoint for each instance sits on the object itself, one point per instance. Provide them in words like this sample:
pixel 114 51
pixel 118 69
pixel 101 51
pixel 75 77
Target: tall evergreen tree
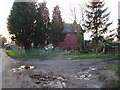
pixel 118 30
pixel 21 23
pixel 28 23
pixel 41 26
pixel 57 25
pixel 96 21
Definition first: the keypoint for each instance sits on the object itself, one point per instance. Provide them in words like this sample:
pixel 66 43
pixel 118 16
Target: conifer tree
pixel 41 26
pixel 21 23
pixel 96 21
pixel 118 30
pixel 57 26
pixel 28 23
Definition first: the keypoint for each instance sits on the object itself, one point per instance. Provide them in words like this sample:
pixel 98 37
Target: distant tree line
pixel 30 26
pixel 3 40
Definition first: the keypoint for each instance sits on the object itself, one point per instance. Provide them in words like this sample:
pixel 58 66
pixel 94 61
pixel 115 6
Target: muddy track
pixel 58 73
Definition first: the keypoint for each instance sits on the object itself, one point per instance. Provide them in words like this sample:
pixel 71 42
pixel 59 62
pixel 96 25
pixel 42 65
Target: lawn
pixel 13 54
pixel 93 56
pixel 113 67
pixel 55 54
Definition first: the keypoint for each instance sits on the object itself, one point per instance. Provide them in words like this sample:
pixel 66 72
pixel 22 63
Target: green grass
pixel 13 54
pixel 55 54
pixel 113 66
pixel 93 56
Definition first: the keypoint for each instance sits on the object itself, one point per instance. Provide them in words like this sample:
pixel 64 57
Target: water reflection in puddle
pixel 23 67
pixel 85 73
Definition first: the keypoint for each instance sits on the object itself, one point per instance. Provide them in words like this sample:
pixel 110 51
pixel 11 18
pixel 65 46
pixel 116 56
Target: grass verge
pixel 55 54
pixel 113 66
pixel 93 56
pixel 13 54
pixel 113 82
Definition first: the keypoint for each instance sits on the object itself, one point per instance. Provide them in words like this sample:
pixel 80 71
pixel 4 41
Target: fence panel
pixel 35 52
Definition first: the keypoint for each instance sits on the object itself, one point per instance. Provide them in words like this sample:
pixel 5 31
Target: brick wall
pixel 70 42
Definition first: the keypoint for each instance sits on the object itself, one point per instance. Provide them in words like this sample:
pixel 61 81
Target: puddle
pixel 49 81
pixel 23 67
pixel 85 73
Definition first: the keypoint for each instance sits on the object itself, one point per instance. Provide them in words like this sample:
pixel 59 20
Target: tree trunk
pixel 79 39
pixel 96 50
pixel 96 47
pixel 27 46
pixel 103 51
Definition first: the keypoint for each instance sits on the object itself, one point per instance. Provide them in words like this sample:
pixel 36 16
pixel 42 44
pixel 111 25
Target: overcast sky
pixel 6 5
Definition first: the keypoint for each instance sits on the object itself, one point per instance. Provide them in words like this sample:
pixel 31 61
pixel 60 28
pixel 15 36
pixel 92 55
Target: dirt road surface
pixel 5 63
pixel 53 73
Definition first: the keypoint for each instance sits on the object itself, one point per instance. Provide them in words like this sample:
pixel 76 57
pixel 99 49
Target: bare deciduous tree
pixel 77 19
